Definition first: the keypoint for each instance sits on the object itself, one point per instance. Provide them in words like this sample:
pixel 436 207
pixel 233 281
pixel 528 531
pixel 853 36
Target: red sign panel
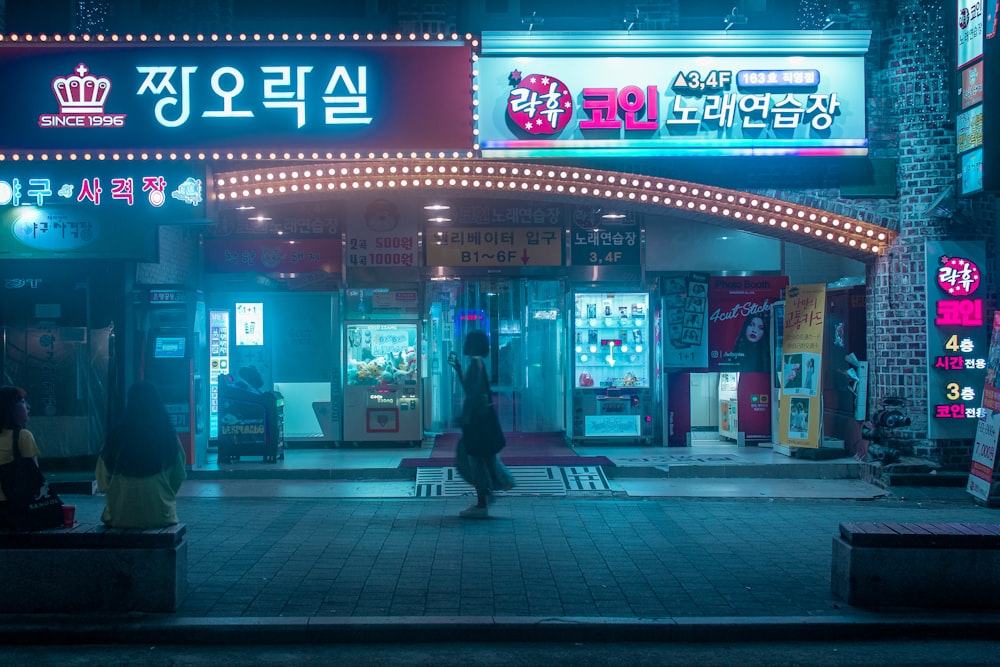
pixel 273 255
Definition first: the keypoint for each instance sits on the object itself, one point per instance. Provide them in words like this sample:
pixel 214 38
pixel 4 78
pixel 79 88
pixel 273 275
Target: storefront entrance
pixel 527 362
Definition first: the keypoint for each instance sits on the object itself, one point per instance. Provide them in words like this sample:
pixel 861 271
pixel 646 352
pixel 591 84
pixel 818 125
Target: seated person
pixel 141 466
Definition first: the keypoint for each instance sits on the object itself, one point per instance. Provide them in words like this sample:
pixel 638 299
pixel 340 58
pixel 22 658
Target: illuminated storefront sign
pixel 970 129
pixel 971 177
pixel 388 237
pixel 977 59
pixel 972 85
pixel 684 94
pixel 969 30
pixel 273 256
pixel 495 246
pixel 597 241
pixel 73 232
pixel 326 96
pixel 249 324
pixel 152 192
pixel 956 338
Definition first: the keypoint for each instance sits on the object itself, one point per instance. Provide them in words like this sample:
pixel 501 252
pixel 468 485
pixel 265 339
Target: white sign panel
pixel 984 456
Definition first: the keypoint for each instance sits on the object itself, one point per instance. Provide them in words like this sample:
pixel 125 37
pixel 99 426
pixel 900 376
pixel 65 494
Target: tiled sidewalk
pixel 603 557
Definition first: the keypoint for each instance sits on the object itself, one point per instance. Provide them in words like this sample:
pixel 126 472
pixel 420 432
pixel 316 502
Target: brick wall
pixel 910 119
pixel 917 78
pixel 180 259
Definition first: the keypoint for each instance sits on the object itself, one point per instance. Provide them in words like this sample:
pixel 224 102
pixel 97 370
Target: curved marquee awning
pixel 609 190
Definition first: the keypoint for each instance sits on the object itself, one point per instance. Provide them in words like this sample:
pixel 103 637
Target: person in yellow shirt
pixel 14 410
pixel 141 467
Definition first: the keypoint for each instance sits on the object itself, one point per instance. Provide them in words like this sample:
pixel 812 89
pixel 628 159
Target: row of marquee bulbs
pixel 403 177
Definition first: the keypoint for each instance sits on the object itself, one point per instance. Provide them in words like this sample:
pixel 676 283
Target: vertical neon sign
pixel 218 333
pixel 956 337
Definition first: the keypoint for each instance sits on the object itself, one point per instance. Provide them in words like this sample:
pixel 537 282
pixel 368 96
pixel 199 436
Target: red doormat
pixel 522 449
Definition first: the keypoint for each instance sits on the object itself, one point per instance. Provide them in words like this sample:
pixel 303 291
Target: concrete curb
pixel 169 630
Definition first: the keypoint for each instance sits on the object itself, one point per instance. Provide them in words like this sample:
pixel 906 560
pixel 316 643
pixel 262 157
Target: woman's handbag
pixel 482 433
pixel 481 429
pixel 31 505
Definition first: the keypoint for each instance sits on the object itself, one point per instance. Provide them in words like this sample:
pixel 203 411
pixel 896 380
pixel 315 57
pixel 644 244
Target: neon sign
pixel 682 94
pixel 957 343
pixel 165 192
pixel 236 97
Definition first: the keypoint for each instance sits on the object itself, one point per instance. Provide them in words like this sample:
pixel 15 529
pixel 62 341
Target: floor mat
pixel 679 459
pixel 531 481
pixel 510 461
pixel 518 445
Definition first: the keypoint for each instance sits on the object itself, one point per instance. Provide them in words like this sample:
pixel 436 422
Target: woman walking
pixel 482 439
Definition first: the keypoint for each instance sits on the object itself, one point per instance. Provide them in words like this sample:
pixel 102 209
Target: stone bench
pixel 917 564
pixel 93 568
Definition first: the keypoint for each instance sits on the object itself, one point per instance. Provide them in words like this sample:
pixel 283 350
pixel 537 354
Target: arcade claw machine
pixel 612 394
pixel 382 392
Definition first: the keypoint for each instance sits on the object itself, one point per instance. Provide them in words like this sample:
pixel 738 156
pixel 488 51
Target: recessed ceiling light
pixel 437 207
pixel 438 219
pixel 258 218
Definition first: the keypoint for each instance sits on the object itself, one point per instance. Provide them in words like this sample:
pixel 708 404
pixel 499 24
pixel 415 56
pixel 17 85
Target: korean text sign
pixel 957 338
pixel 314 97
pixel 161 192
pixel 492 246
pixel 569 100
pixel 984 448
pixel 800 417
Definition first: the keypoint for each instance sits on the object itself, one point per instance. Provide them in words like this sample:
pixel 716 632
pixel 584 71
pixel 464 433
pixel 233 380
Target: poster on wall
pixel 984 452
pixel 739 322
pixel 800 412
pixel 685 311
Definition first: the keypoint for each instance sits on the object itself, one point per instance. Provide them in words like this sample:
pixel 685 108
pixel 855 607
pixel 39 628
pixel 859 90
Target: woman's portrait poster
pixel 739 322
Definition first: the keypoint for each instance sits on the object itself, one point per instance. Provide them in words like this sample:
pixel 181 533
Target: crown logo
pixel 81 93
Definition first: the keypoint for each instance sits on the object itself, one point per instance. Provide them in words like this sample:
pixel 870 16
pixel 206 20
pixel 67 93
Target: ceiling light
pixel 438 219
pixel 437 207
pixel 735 18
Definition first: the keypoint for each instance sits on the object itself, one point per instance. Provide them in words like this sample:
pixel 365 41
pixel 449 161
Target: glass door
pixel 524 321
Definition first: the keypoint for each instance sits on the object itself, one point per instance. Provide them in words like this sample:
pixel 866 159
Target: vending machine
pixel 612 388
pixel 729 412
pixel 382 387
pixel 170 324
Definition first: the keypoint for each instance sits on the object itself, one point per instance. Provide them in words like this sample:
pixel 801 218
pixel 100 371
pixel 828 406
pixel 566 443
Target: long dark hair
pixel 9 397
pixel 754 356
pixel 144 442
